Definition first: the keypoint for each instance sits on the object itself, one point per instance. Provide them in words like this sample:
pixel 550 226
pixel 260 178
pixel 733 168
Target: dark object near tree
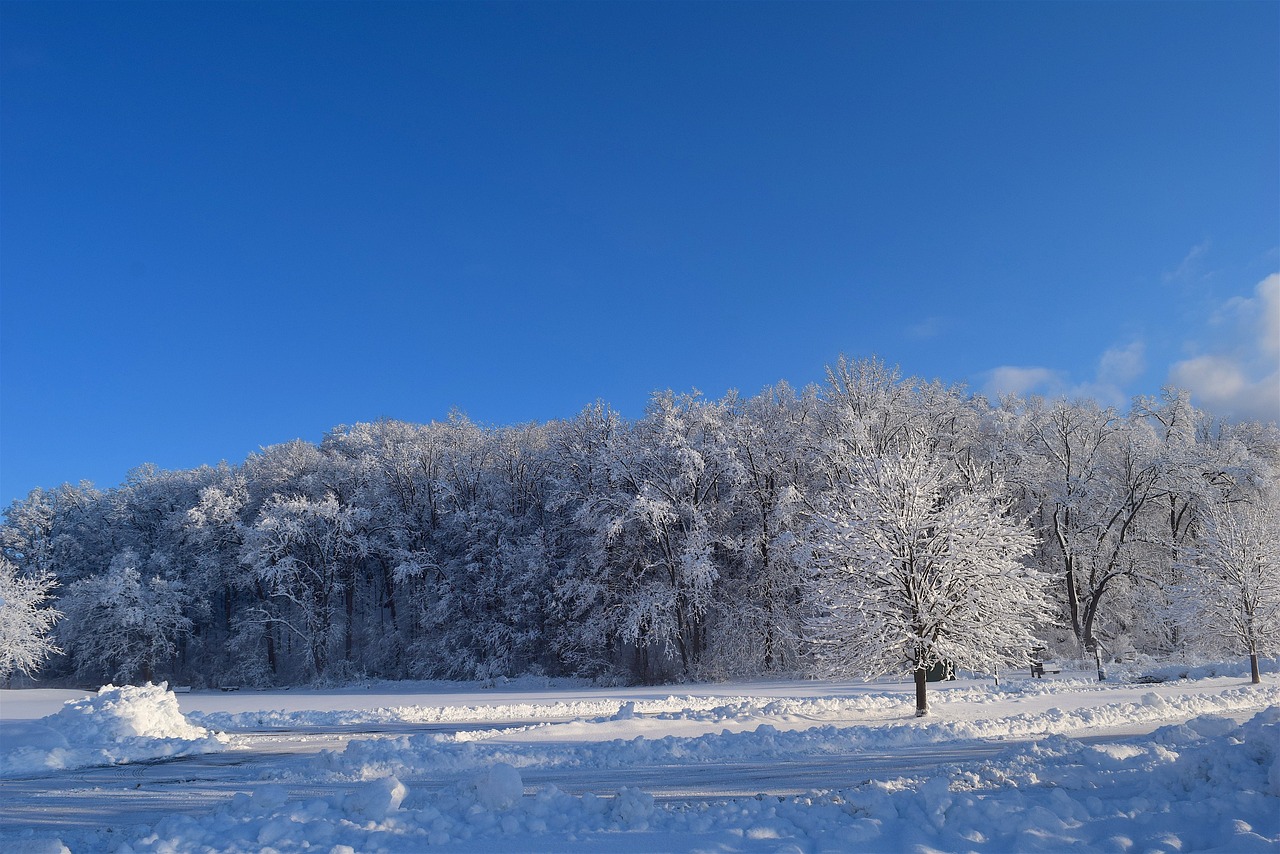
pixel 940 672
pixel 1037 663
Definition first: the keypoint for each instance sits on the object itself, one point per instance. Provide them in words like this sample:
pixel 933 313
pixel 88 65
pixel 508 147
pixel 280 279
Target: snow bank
pixel 690 708
pixel 117 725
pixel 1207 785
pixel 1210 670
pixel 417 714
pixel 419 754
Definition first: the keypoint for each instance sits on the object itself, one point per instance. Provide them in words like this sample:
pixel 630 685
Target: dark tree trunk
pixel 1254 676
pixel 272 660
pixel 1073 604
pixel 349 606
pixel 922 704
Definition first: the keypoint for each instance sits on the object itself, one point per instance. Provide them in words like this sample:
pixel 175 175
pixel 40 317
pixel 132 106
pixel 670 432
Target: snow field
pixel 409 755
pixel 1208 779
pixel 1207 785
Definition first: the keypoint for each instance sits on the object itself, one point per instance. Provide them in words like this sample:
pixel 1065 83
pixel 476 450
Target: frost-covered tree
pixel 25 622
pixel 303 552
pixel 1233 580
pixel 914 569
pixel 648 549
pixel 759 629
pixel 660 529
pixel 123 624
pixel 586 635
pixel 1099 480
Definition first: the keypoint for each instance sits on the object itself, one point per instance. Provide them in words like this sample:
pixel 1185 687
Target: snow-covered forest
pixel 707 539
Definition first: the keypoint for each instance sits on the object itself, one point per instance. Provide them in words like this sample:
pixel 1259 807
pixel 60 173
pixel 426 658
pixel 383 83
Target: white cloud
pixel 1214 377
pixel 1238 374
pixel 1261 314
pixel 1010 379
pixel 1117 367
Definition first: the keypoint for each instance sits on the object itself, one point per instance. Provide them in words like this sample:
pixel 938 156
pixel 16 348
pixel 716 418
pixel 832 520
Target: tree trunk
pixel 272 661
pixel 922 704
pixel 1087 640
pixel 1069 565
pixel 1073 606
pixel 348 629
pixel 1254 676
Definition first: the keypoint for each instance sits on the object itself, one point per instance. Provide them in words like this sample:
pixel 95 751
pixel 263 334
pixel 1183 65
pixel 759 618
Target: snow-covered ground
pixel 1031 765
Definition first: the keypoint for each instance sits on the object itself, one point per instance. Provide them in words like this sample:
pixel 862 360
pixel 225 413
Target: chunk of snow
pixel 498 787
pixel 374 800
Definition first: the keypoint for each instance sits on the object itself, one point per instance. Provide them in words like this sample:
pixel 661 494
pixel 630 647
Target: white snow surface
pixel 1032 765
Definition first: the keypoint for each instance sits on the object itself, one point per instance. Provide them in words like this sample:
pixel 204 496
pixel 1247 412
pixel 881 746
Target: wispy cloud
pixel 1236 374
pixel 929 327
pixel 1120 366
pixel 1189 268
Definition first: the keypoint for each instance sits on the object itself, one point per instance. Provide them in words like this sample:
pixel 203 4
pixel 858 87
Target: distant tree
pixel 660 530
pixel 122 624
pixel 25 623
pixel 1233 578
pixel 1100 484
pixel 585 635
pixel 303 552
pixel 914 569
pixel 679 545
pixel 759 629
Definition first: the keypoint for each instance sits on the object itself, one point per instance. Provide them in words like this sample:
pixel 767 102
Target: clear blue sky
pixel 228 225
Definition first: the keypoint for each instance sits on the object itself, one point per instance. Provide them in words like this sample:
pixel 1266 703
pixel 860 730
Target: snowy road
pixel 142 793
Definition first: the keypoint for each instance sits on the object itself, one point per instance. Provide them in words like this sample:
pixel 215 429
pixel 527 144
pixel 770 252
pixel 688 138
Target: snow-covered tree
pixel 303 552
pixel 1099 482
pixel 649 549
pixel 1233 580
pixel 582 449
pixel 914 569
pixel 25 622
pixel 759 629
pixel 122 625
pixel 660 529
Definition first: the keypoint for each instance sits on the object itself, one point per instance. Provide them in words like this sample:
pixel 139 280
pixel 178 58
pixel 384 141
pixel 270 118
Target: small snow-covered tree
pixel 24 622
pixel 1233 578
pixel 914 569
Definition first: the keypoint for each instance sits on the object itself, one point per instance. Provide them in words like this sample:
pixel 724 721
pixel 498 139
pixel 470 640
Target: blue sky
pixel 228 225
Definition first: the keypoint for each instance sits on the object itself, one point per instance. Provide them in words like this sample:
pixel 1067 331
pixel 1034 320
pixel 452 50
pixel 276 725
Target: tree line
pixel 709 538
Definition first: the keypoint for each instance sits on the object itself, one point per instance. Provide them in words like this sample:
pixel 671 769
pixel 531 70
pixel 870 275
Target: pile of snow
pixel 1209 784
pixel 117 725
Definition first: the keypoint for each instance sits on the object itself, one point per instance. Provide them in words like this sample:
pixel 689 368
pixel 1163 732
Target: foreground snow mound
pixel 117 725
pixel 116 713
pixel 1207 785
